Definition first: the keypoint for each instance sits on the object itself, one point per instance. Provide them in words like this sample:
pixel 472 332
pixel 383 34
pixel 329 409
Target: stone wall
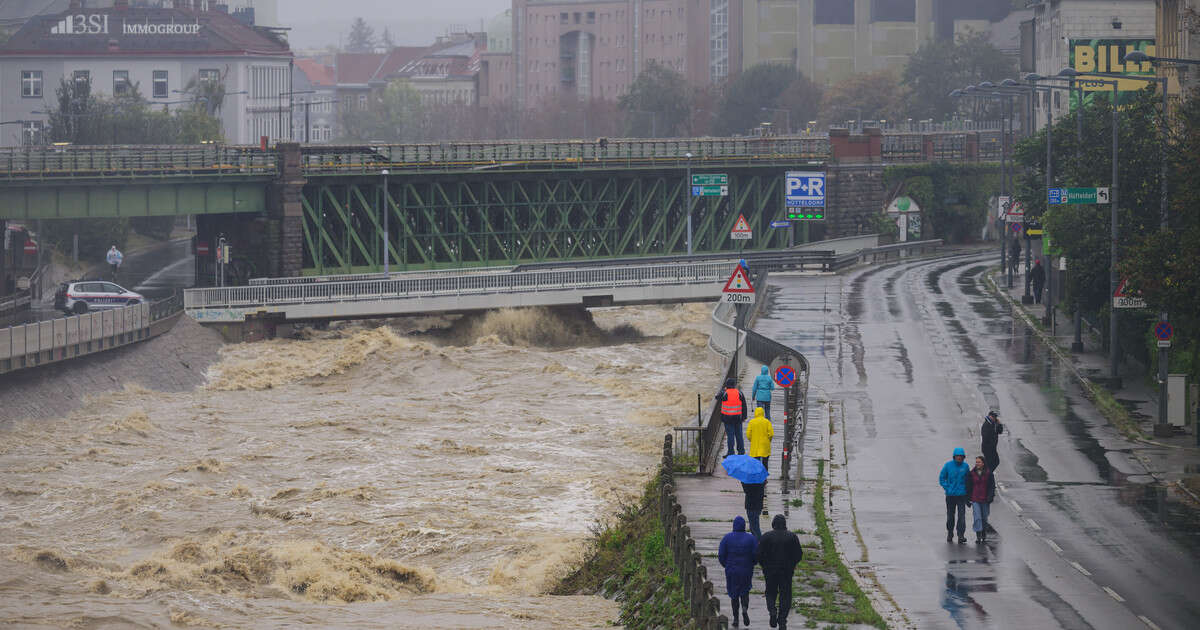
pixel 855 193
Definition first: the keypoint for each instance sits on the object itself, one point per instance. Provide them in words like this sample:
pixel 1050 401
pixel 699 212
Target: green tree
pixel 361 38
pixel 394 114
pixel 753 96
pixel 941 66
pixel 657 104
pixel 386 40
pixel 874 95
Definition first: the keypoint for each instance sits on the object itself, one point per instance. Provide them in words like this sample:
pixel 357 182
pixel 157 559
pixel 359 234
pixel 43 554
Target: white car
pixel 93 295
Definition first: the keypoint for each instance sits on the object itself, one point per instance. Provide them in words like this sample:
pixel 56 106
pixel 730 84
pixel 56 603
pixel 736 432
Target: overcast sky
pixel 317 23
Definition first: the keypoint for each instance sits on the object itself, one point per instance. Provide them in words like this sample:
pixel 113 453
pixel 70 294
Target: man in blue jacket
pixel 761 392
pixel 954 482
pixel 736 554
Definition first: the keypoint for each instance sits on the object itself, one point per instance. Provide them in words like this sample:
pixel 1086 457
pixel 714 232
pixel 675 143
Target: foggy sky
pixel 317 23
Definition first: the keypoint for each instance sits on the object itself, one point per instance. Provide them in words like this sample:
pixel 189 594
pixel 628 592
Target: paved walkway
pixel 711 503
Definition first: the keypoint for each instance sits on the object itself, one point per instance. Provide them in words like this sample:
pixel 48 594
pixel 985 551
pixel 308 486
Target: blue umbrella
pixel 744 468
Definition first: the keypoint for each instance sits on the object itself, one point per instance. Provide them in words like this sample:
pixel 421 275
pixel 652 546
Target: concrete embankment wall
pixel 173 362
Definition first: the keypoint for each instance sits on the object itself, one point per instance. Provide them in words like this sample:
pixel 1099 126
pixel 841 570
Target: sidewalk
pixel 1168 459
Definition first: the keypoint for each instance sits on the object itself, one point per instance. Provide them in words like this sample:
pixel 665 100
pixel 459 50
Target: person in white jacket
pixel 114 258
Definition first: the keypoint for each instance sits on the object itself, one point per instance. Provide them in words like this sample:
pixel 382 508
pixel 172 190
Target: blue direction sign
pixel 1056 196
pixel 785 376
pixel 804 189
pixel 1164 331
pixel 779 224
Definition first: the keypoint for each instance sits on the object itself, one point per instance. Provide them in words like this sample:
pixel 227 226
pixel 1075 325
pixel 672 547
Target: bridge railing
pixel 564 154
pixel 24 163
pixel 429 273
pixel 413 288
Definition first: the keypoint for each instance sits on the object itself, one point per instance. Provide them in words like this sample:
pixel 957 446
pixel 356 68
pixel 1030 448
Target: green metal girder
pixel 132 200
pixel 490 219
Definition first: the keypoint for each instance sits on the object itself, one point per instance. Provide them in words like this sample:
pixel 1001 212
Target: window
pixel 83 77
pixel 31 83
pixel 120 82
pixel 833 12
pixel 210 75
pixel 591 17
pixel 893 10
pixel 563 18
pixel 31 132
pixel 160 84
pixel 576 17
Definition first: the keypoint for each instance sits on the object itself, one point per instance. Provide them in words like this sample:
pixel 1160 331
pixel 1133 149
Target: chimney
pixel 76 5
pixel 120 4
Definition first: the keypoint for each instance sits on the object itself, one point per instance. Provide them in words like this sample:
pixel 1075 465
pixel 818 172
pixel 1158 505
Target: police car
pixel 93 295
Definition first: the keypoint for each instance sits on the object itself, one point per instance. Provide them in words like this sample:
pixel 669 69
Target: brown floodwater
pixel 361 476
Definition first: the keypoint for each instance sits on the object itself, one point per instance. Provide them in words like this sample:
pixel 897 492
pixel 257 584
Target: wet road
pixel 155 273
pixel 911 356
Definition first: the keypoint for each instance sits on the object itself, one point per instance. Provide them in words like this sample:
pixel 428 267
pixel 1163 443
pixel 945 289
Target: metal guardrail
pixel 884 253
pixel 412 288
pixel 559 154
pixel 431 273
pixel 56 163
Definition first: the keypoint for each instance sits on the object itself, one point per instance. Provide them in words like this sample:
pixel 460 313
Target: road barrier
pixel 41 343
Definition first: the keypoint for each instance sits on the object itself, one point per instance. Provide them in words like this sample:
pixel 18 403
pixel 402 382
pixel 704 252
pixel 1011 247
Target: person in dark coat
pixel 778 554
pixel 754 504
pixel 989 437
pixel 1014 254
pixel 736 554
pixel 733 414
pixel 1038 278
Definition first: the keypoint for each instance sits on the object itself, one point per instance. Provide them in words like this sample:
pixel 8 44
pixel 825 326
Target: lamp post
pixel 787 113
pixel 1113 355
pixel 289 94
pixel 687 185
pixel 386 211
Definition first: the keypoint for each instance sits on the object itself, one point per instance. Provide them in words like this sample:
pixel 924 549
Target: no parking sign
pixel 785 376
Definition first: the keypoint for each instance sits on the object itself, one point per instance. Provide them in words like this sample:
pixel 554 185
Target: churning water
pixel 359 477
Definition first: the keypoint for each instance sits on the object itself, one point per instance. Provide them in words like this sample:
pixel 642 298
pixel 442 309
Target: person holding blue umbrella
pixel 753 476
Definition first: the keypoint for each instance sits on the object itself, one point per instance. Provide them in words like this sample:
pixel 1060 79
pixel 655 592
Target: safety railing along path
pixel 138 161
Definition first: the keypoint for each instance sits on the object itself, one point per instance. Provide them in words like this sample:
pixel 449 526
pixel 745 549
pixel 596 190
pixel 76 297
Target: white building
pixel 1090 36
pixel 158 51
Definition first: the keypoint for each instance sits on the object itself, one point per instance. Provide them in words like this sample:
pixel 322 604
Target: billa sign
pixel 1106 55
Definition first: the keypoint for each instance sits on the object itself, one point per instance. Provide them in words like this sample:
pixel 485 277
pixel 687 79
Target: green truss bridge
pixel 294 210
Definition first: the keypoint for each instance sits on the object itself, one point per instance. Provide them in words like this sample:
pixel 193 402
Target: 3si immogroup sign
pixel 98 24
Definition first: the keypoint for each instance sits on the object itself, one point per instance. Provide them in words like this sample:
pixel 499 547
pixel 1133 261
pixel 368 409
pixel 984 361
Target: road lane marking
pixel 1113 594
pixel 1016 506
pixel 1149 624
pixel 1054 546
pixel 1033 524
pixel 1079 567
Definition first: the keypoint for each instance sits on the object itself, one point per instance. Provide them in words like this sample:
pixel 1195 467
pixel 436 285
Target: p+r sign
pixel 804 189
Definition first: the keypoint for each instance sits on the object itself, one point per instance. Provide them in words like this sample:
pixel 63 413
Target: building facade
pixel 1177 29
pixel 1089 36
pixel 163 53
pixel 315 110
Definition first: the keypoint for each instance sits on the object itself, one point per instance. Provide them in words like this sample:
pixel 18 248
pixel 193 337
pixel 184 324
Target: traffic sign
pixel 201 248
pixel 30 248
pixel 1122 299
pixel 710 179
pixel 1061 196
pixel 1016 227
pixel 1002 203
pixel 741 230
pixel 1163 331
pixel 710 191
pixel 738 289
pixel 785 376
pixel 1016 211
pixel 780 224
pixel 806 215
pixel 804 189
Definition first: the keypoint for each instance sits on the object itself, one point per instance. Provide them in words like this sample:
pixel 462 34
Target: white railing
pixel 423 273
pixel 40 342
pixel 461 284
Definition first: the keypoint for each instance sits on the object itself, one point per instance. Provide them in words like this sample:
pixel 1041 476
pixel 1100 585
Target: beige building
pixel 1177 29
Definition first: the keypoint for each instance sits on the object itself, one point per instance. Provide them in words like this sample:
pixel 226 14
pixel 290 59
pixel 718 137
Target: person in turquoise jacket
pixel 954 482
pixel 761 393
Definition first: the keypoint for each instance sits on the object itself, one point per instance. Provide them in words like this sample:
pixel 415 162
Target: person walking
pixel 1014 254
pixel 761 392
pixel 114 259
pixel 989 438
pixel 981 490
pixel 1038 278
pixel 954 482
pixel 755 495
pixel 733 414
pixel 759 431
pixel 778 554
pixel 736 554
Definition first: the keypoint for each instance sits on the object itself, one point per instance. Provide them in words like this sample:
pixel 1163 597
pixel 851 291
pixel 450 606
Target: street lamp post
pixel 787 113
pixel 1114 193
pixel 687 185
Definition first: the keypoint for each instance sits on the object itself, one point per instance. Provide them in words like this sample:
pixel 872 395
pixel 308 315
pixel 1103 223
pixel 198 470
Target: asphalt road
pixel 911 356
pixel 156 273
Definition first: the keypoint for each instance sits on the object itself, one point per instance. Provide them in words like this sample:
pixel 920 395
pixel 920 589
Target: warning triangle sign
pixel 738 282
pixel 1121 289
pixel 741 225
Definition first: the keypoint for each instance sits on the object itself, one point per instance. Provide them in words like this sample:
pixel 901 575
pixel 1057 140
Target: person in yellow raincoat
pixel 759 431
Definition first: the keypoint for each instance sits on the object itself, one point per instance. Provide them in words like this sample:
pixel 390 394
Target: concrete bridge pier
pixel 285 215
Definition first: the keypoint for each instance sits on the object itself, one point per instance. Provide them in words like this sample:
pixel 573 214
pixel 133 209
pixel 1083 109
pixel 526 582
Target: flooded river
pixel 364 476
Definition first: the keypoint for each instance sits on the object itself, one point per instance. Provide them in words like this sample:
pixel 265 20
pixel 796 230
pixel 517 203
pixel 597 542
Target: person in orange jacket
pixel 733 414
